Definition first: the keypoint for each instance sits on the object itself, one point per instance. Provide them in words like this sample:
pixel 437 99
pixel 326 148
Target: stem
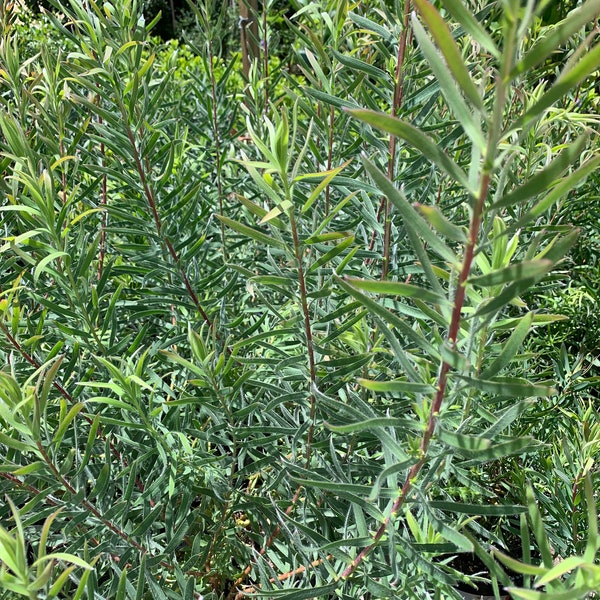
pixel 88 505
pixel 157 222
pixel 313 382
pixel 308 333
pixel 385 205
pixel 442 382
pixel 215 125
pixel 266 546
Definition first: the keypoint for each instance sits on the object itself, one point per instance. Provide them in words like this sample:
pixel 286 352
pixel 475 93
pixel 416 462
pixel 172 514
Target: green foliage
pixel 286 338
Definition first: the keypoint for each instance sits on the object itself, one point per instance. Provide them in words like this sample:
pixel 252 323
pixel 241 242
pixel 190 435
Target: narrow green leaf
pixel 43 264
pixel 566 82
pixel 391 318
pixel 443 37
pixel 450 534
pixel 372 26
pixel 326 179
pixel 6 440
pixel 419 140
pixel 523 594
pixel 323 591
pixel 89 444
pixel 554 252
pixel 509 348
pixel 545 178
pixel 122 585
pixel 259 211
pixel 331 254
pixel 557 35
pixel 359 65
pixel 438 221
pixel 145 525
pixel 537 524
pixel 592 546
pixel 492 510
pixel 330 236
pixel 560 569
pixel 468 21
pixel 412 219
pixel 256 235
pixel 460 441
pixel 511 447
pixel 562 187
pixel 375 423
pixel 101 482
pixel 330 99
pixel 64 556
pixel 515 272
pixel 396 386
pixel 516 565
pixel 449 88
pixel 64 424
pixel 514 386
pixel 397 288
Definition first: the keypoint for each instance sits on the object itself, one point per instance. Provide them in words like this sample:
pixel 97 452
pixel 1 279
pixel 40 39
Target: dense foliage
pixel 301 335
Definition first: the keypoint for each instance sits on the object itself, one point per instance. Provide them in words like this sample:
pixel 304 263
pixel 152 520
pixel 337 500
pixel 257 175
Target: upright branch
pixel 385 205
pixel 442 381
pixel 157 220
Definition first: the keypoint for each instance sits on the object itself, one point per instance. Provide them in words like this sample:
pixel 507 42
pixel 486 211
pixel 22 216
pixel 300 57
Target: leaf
pixel 545 178
pixel 509 348
pixel 438 221
pixel 443 37
pixel 492 510
pixel 505 386
pixel 468 21
pixel 259 211
pixel 499 450
pixel 359 65
pixel 560 569
pixel 64 556
pixel 450 534
pixel 9 441
pixel 256 235
pixel 42 265
pixel 523 594
pixel 327 178
pixel 372 26
pixel 391 318
pixel 419 140
pixel 567 81
pixel 375 423
pixel 562 187
pixel 397 288
pixel 323 591
pixel 412 219
pixel 460 441
pixel 331 254
pixel 516 565
pixel 397 385
pixel 555 36
pixel 64 424
pixel 516 272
